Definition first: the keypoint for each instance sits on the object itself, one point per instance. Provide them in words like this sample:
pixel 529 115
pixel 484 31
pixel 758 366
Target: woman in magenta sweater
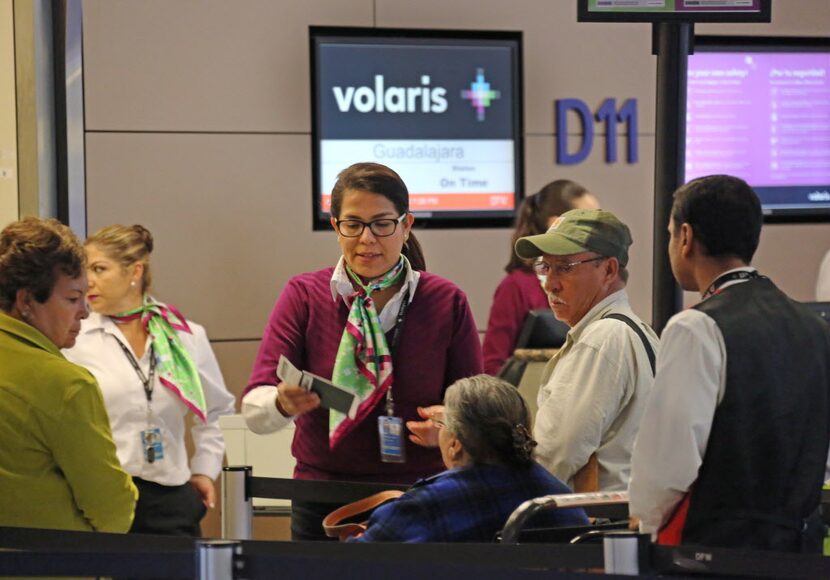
pixel 377 324
pixel 520 291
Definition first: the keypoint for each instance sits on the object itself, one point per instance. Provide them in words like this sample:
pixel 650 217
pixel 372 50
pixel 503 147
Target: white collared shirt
pixel 593 394
pixel 259 405
pixel 729 283
pixel 98 350
pixel 341 287
pixel 690 384
pixel 674 434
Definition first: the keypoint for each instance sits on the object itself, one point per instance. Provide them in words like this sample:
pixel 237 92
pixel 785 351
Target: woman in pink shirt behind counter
pixel 520 291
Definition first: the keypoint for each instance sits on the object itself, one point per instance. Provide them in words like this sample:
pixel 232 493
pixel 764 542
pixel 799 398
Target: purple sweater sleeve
pixel 284 335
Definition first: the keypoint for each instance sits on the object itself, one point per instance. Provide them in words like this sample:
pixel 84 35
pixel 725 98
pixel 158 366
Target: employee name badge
pixel 390 430
pixel 151 444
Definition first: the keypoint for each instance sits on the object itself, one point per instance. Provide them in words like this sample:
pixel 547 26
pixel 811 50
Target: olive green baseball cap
pixel 580 230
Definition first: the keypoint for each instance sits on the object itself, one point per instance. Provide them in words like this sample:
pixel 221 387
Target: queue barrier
pixel 56 553
pixel 26 552
pixel 29 552
pixel 39 552
pixel 240 486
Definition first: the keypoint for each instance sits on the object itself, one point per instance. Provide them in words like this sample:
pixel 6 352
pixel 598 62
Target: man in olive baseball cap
pixel 580 230
pixel 584 430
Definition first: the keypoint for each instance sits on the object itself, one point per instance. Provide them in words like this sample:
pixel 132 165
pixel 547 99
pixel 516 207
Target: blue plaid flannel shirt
pixel 467 504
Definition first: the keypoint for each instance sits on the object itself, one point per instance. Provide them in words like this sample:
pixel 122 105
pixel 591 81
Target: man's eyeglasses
pixel 542 268
pixel 380 228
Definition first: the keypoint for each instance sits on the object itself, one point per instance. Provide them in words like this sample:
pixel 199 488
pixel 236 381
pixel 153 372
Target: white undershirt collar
pixel 341 287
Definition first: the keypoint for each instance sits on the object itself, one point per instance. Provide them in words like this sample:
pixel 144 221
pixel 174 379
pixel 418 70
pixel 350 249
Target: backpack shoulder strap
pixel 636 328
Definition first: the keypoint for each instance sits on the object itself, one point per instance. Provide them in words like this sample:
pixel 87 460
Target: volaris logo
pixel 424 99
pixel 480 94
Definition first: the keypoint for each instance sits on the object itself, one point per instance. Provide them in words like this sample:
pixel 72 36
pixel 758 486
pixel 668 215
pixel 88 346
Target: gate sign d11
pixel 608 114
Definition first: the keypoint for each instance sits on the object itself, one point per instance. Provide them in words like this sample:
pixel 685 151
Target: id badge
pixel 391 432
pixel 151 443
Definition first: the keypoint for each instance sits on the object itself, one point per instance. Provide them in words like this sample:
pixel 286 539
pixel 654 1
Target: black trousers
pixel 167 510
pixel 307 520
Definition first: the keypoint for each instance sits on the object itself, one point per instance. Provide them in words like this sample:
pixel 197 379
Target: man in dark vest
pixel 733 446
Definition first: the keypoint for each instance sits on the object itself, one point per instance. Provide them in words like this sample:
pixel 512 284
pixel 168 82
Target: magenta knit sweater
pixel 438 345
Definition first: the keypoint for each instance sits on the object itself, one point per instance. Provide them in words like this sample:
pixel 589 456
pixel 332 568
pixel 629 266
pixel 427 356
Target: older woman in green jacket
pixel 58 467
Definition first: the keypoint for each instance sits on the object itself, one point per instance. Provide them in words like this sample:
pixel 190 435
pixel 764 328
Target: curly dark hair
pixel 33 252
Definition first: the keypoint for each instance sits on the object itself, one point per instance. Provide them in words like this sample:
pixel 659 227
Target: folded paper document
pixel 331 396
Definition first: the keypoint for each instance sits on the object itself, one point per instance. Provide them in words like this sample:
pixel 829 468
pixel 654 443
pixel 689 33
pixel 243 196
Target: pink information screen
pixel 765 117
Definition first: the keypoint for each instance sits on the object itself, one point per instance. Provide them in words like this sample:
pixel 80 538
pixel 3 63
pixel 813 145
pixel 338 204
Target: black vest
pixel 763 469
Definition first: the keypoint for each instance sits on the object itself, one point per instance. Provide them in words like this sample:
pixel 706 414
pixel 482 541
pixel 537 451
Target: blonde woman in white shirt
pixel 154 367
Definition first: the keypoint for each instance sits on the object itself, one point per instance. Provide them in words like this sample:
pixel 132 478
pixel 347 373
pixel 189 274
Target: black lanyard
pixel 146 381
pixel 393 345
pixel 731 276
pixel 396 331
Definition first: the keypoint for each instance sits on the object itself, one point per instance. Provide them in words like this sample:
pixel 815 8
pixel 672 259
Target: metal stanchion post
pixel 237 507
pixel 626 553
pixel 214 559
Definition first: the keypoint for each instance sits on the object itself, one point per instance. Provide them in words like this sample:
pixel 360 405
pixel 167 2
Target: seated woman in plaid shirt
pixel 486 445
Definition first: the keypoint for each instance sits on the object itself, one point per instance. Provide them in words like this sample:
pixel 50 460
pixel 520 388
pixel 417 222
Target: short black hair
pixel 724 212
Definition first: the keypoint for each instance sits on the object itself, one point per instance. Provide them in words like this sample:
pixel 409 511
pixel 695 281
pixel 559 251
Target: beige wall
pixel 8 117
pixel 198 125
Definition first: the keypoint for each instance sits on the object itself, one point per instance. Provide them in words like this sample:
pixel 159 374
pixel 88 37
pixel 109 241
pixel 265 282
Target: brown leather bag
pixel 587 478
pixel 332 522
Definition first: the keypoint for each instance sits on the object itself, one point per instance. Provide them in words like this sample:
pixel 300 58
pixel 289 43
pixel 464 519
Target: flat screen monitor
pixel 541 329
pixel 759 108
pixel 441 108
pixel 674 10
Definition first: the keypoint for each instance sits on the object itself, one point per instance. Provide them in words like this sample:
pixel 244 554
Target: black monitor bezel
pixel 456 220
pixel 725 43
pixel 763 15
pixel 541 329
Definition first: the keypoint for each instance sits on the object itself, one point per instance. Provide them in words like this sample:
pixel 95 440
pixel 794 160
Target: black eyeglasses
pixel 542 268
pixel 380 228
